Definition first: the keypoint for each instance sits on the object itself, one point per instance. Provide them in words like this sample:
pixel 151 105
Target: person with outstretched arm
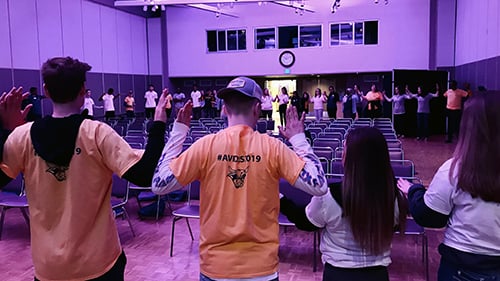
pixel 68 163
pixel 239 171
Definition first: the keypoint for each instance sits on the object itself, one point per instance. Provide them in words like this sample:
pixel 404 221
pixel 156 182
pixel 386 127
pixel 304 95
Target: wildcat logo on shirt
pixel 237 176
pixel 59 172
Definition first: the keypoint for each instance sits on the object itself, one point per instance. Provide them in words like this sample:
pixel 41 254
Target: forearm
pixel 142 172
pixel 422 214
pixel 164 180
pixel 312 177
pixel 296 214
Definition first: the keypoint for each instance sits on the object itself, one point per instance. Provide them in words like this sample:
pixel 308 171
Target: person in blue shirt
pixel 423 111
pixel 349 102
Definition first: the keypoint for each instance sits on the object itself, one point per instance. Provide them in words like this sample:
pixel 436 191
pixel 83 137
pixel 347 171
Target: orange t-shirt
pixel 73 232
pixel 129 101
pixel 239 171
pixel 454 98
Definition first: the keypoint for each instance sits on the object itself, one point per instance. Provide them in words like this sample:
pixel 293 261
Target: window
pixel 354 33
pixel 310 36
pixel 334 34
pixel 265 38
pixel 212 41
pixel 346 37
pixel 288 37
pixel 358 33
pixel 371 32
pixel 226 40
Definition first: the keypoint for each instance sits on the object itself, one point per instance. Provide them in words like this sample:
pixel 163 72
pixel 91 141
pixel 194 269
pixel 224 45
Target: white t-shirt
pixel 337 245
pixel 195 96
pixel 474 225
pixel 150 97
pixel 88 104
pixel 266 102
pixel 108 102
pixel 318 102
pixel 283 99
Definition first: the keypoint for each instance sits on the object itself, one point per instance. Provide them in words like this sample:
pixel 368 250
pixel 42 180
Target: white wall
pixel 403 39
pixel 477 30
pixel 154 44
pixel 110 40
pixel 445 33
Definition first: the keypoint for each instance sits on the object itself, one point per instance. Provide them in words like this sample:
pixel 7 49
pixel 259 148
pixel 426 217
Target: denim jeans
pixel 318 113
pixel 451 272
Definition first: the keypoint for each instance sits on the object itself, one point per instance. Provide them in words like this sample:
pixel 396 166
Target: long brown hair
pixel 475 160
pixel 369 191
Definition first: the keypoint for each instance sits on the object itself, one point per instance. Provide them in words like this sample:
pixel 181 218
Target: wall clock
pixel 287 59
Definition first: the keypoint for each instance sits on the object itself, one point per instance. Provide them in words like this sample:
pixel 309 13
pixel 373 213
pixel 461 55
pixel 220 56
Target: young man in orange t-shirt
pixel 129 104
pixel 239 171
pixel 68 162
pixel 454 98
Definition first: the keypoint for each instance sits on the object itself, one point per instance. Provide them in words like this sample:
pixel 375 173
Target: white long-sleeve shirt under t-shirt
pixel 108 102
pixel 150 97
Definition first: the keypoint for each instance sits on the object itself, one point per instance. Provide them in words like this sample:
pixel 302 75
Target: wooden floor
pixel 148 258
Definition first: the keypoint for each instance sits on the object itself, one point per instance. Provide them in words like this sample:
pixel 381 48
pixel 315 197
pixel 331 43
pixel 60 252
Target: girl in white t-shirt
pixel 464 196
pixel 318 101
pixel 282 100
pixel 357 217
pixel 266 104
pixel 108 101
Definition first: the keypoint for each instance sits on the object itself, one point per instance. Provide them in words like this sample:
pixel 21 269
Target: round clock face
pixel 287 59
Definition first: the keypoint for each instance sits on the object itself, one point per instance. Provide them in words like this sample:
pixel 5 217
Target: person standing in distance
pixel 196 99
pixel 151 97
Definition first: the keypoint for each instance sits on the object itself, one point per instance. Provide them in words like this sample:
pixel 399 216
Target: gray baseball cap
pixel 242 85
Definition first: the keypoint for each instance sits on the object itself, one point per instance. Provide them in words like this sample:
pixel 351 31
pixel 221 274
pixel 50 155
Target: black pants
pixel 267 114
pixel 130 113
pixel 348 114
pixel 332 112
pixel 375 273
pixel 109 114
pixel 400 124
pixel 451 272
pixel 150 112
pixel 454 117
pixel 116 273
pixel 282 110
pixel 422 125
pixel 196 113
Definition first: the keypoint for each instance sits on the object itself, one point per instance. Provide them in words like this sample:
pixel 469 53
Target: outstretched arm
pixel 164 180
pixel 312 177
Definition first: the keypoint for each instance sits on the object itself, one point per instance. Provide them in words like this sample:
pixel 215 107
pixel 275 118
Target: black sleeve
pixel 296 214
pixel 4 179
pixel 142 172
pixel 422 214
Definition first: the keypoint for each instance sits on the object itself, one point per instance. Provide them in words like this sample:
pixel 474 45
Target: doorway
pixel 274 87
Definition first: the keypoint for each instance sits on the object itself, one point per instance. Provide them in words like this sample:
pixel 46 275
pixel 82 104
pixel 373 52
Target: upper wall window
pixel 265 38
pixel 371 32
pixel 226 40
pixel 354 33
pixel 288 37
pixel 310 36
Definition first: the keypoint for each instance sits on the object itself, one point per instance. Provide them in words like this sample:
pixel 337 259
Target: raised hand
pixel 184 114
pixel 11 114
pixel 294 125
pixel 160 113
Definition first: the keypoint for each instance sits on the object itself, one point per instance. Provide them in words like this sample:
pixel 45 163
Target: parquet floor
pixel 148 258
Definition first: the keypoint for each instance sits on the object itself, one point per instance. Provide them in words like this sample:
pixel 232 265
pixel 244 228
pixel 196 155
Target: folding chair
pixel 300 198
pixel 12 196
pixel 325 152
pixel 119 198
pixel 403 168
pixel 189 211
pixel 412 228
pixel 396 154
pixel 323 142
